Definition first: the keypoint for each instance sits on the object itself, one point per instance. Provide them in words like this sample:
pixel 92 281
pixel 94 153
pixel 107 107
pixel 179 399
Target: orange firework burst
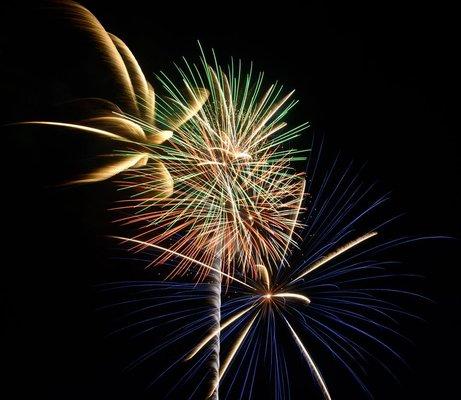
pixel 236 195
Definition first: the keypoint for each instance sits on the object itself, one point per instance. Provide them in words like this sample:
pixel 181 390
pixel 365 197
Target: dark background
pixel 379 82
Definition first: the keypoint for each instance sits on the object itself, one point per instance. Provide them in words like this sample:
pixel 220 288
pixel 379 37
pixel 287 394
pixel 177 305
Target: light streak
pixel 224 325
pixel 177 254
pixel 335 254
pixel 232 353
pixel 313 367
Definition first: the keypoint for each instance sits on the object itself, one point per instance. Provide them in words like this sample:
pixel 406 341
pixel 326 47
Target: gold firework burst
pixel 130 125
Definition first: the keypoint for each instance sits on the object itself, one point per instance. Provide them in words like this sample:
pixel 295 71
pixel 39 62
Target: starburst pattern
pixel 339 296
pixel 236 193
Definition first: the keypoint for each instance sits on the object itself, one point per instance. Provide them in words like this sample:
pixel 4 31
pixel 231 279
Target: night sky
pixel 376 82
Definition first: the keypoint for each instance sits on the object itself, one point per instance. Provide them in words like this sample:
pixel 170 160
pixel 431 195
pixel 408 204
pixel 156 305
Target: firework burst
pixel 236 194
pixel 339 295
pixel 208 180
pixel 267 297
pixel 135 138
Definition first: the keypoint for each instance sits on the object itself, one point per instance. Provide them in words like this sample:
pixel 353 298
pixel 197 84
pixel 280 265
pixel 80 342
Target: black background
pixel 379 82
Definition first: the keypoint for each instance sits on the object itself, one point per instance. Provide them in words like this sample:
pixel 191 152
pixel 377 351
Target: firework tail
pixel 215 298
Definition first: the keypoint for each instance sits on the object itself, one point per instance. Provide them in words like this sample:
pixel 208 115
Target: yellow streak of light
pixel 131 130
pixel 216 331
pixel 199 97
pixel 79 127
pixel 292 296
pixel 137 78
pixel 232 353
pixel 310 362
pixel 147 244
pixel 159 137
pixel 162 175
pixel 335 253
pixel 86 21
pixel 112 169
pixel 264 275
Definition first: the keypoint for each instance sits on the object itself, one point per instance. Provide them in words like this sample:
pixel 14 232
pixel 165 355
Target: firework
pixel 236 195
pixel 219 144
pixel 208 169
pixel 270 294
pixel 130 123
pixel 208 180
pixel 334 297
